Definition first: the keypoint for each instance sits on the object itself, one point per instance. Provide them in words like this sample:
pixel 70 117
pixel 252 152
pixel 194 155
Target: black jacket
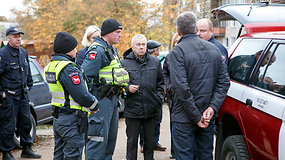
pixel 198 79
pixel 15 72
pixel 147 73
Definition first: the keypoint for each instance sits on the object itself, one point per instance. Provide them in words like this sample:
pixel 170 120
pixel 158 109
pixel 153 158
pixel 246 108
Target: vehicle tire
pixel 32 133
pixel 219 142
pixel 234 148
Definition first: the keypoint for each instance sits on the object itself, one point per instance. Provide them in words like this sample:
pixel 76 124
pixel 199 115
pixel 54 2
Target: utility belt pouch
pixel 55 111
pixel 104 90
pixel 82 121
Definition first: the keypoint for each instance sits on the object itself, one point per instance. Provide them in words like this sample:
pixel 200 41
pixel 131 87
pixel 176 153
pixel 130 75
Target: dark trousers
pixel 133 130
pixel 16 113
pixel 68 141
pixel 156 129
pixel 191 142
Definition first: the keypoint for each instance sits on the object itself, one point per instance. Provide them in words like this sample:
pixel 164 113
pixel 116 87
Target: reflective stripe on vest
pixel 113 73
pixel 52 71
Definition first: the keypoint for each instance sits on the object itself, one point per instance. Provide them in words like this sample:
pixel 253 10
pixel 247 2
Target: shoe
pixel 172 157
pixel 159 147
pixel 142 149
pixel 27 152
pixel 8 156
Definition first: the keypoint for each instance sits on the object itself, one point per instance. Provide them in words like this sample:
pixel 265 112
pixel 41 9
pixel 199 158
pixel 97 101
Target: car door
pixel 264 96
pixel 39 95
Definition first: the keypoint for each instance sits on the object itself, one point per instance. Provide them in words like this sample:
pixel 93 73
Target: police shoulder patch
pixel 74 77
pixel 92 55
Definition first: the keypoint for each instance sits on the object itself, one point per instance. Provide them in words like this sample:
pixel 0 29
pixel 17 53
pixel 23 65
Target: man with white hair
pixel 144 96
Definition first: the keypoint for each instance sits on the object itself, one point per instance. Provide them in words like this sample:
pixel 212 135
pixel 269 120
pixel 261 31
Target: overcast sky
pixel 7 5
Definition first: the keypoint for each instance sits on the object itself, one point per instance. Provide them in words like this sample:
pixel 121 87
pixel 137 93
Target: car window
pixel 244 58
pixel 37 78
pixel 273 77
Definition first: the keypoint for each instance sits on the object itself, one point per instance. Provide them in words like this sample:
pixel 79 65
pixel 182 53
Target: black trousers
pixel 133 130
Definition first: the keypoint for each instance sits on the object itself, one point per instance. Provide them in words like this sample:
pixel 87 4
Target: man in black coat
pixel 144 96
pixel 199 85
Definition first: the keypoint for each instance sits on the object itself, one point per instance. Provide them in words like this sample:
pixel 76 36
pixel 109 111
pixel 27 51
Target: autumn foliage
pixel 42 19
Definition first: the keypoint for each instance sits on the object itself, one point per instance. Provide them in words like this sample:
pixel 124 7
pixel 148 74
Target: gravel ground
pixel 44 143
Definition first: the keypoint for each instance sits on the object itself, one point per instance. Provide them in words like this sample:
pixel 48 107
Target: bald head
pixel 205 29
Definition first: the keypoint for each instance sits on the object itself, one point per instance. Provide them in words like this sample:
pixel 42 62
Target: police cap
pixel 151 44
pixel 13 30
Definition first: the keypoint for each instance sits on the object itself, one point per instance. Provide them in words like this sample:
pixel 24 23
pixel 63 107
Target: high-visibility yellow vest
pixel 52 71
pixel 113 73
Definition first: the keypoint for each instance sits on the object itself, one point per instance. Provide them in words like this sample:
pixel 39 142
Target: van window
pixel 244 58
pixel 273 77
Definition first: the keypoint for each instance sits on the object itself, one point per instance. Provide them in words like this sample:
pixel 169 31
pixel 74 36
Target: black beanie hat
pixel 64 43
pixel 110 25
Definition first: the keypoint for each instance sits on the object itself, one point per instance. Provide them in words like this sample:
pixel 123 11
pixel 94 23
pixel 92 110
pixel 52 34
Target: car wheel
pixel 32 133
pixel 219 141
pixel 234 148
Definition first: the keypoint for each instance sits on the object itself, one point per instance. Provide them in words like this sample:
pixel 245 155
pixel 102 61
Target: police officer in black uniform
pixel 15 81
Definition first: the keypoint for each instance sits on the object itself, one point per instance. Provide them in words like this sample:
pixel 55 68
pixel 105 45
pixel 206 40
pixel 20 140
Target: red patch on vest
pixel 92 56
pixel 75 79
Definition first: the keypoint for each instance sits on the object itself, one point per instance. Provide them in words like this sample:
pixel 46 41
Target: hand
pixel 202 124
pixel 133 88
pixel 208 114
pixel 93 112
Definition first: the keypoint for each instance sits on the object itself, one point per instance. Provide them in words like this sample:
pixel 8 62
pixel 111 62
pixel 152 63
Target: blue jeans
pixel 191 142
pixel 102 130
pixel 156 130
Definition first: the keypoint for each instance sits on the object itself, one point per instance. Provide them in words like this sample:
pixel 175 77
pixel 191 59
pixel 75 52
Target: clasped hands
pixel 206 118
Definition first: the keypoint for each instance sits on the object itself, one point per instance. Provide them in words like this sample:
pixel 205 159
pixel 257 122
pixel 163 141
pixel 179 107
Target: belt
pixel 66 110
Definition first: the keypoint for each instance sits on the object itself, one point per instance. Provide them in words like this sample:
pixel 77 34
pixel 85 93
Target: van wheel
pixel 32 133
pixel 234 148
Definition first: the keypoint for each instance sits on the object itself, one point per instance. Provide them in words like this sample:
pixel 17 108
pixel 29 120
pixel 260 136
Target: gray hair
pixel 137 36
pixel 186 23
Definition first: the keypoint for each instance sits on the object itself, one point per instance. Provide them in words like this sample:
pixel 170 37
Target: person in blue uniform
pixel 71 101
pixel 99 65
pixel 15 81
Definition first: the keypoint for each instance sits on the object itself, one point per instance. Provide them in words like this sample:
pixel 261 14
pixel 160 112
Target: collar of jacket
pixel 60 56
pixel 140 60
pixel 212 39
pixel 186 36
pixel 14 51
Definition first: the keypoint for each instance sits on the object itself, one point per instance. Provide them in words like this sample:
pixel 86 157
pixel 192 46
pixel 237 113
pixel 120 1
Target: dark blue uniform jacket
pixel 15 73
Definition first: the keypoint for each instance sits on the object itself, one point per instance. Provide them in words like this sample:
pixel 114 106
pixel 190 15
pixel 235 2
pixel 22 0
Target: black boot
pixel 27 152
pixel 8 156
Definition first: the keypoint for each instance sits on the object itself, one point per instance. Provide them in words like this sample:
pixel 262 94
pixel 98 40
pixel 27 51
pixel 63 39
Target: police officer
pixel 106 76
pixel 15 81
pixel 70 99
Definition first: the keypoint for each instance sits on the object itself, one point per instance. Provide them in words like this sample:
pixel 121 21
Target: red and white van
pixel 251 121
